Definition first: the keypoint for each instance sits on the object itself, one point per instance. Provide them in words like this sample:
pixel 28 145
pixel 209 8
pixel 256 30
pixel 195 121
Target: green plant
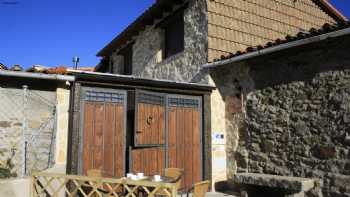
pixel 6 169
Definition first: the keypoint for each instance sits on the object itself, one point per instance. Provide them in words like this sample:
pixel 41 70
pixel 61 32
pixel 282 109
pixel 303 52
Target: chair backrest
pixel 199 189
pixel 175 173
pixel 94 173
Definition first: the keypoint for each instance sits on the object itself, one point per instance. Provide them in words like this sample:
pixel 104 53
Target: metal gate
pixel 27 129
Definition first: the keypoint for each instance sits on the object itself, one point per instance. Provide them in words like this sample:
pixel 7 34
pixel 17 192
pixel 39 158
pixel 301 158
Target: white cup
pixel 157 178
pixel 134 177
pixel 129 175
pixel 140 175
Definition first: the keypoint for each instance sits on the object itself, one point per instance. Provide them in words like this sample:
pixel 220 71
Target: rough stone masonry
pixel 295 119
pixel 147 49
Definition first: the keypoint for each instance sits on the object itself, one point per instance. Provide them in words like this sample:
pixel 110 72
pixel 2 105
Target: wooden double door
pixel 166 133
pixel 103 134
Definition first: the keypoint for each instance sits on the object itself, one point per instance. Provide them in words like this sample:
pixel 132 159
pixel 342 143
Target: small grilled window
pixel 99 96
pixel 183 102
pixel 147 98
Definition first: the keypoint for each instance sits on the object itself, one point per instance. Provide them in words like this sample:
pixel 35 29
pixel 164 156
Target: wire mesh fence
pixel 27 129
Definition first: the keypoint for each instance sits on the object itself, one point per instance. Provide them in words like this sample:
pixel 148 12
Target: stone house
pixel 287 109
pixel 172 39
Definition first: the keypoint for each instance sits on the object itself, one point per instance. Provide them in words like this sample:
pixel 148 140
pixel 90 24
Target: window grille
pixel 148 98
pixel 183 102
pixel 99 96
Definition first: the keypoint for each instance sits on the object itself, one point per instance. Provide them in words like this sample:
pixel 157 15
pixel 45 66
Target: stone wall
pixel 295 116
pixel 147 50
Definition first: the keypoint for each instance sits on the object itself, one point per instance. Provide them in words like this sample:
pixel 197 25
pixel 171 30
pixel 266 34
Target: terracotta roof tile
pixel 326 28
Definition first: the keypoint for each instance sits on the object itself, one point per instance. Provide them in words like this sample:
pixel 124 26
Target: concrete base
pixel 212 194
pixel 287 186
pixel 301 194
pixel 15 188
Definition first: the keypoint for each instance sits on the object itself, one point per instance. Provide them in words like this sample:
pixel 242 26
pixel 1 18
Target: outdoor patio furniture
pixel 87 187
pixel 199 189
pixel 47 184
pixel 176 174
pixel 94 172
pixel 163 179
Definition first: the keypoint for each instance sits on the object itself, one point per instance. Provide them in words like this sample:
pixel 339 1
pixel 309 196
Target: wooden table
pixel 164 179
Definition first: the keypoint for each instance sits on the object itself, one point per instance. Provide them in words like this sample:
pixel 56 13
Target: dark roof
pixel 156 11
pixel 326 28
pixel 117 79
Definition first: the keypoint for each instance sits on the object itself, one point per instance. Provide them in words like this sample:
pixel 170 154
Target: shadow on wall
pixel 295 114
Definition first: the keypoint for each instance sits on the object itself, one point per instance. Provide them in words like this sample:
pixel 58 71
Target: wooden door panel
pixel 150 119
pixel 172 159
pixel 196 143
pixel 188 136
pixel 150 161
pixel 184 141
pixel 87 136
pixel 139 133
pixel 161 124
pixel 108 140
pixel 150 125
pixel 103 135
pixel 98 125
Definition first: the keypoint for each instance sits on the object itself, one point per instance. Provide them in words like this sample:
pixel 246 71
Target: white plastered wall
pixel 218 136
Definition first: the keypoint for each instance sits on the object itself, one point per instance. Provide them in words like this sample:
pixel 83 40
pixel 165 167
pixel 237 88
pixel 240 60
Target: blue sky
pixel 51 32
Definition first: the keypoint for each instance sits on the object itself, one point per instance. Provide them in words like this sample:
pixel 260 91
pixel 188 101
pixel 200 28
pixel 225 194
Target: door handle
pixel 149 120
pixel 138 132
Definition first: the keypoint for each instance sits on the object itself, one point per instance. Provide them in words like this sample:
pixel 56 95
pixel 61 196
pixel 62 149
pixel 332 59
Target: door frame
pixel 81 123
pixel 201 131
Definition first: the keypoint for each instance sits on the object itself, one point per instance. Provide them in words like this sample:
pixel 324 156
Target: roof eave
pixel 277 48
pixel 139 80
pixel 147 18
pixel 331 10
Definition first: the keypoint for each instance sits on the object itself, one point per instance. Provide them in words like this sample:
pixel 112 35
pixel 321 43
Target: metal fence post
pixel 24 127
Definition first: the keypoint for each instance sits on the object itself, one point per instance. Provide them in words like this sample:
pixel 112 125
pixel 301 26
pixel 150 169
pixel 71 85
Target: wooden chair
pixel 94 173
pixel 199 189
pixel 176 174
